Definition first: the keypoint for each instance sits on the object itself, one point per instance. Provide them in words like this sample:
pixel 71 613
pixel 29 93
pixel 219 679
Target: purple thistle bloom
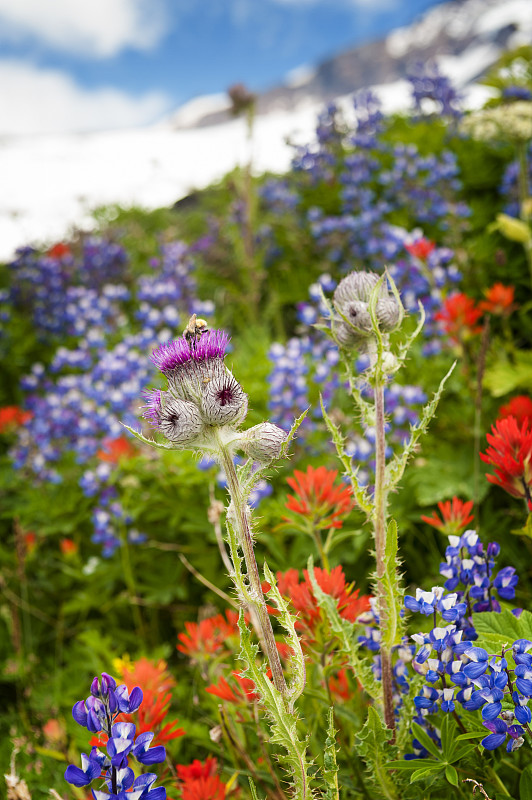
pixel 171 355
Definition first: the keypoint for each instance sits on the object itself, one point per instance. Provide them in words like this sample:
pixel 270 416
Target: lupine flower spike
pixel 98 713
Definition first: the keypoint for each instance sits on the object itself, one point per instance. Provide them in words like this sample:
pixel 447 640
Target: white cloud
pixel 34 100
pixel 98 28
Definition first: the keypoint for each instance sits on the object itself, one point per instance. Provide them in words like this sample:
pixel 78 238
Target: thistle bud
pixel 352 299
pixel 178 420
pixel 223 400
pixel 263 442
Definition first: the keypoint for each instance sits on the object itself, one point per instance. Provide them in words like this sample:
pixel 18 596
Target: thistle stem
pixel 380 551
pixel 245 538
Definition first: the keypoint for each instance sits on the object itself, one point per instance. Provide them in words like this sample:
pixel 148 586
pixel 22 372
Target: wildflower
pixel 459 316
pixel 510 453
pixel 421 248
pixel 499 731
pixel 59 250
pixel 241 689
pixel 499 300
pixel 318 499
pixel 455 516
pixel 209 636
pixel 114 450
pixel 519 407
pixel 11 417
pixel 68 547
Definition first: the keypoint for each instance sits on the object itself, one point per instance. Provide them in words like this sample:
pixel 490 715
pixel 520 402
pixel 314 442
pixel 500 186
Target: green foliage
pixel 373 744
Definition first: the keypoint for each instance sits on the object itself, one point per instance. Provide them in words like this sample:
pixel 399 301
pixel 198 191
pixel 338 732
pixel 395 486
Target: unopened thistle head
pixel 352 300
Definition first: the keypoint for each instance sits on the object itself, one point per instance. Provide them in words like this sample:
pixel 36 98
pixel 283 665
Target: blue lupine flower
pixel 499 731
pixel 90 769
pixel 523 679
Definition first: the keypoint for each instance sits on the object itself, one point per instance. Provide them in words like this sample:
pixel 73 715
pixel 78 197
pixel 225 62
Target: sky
pixel 77 66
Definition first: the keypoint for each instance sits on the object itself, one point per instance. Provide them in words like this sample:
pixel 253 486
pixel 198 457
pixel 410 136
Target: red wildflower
pixel 196 770
pixel 156 683
pixel 208 636
pixel 241 690
pixel 459 316
pixel 68 547
pixel 339 685
pixel 349 604
pixel 210 788
pixel 519 407
pixel 499 300
pixel 318 499
pixel 510 452
pixel 421 249
pixel 455 516
pixel 59 250
pixel 30 542
pixel 11 417
pixel 114 450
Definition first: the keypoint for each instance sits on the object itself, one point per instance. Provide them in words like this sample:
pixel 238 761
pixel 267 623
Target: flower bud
pixel 263 442
pixel 352 298
pixel 223 400
pixel 178 420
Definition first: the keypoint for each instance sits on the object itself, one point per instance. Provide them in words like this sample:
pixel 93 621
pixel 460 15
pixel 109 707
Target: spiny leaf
pixel 283 723
pixel 361 494
pixel 330 767
pixel 345 631
pixel 151 442
pixel 285 618
pixel 372 743
pixel 393 591
pixel 396 467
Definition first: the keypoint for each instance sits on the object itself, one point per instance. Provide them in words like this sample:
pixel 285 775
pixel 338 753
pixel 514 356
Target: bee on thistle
pixel 195 330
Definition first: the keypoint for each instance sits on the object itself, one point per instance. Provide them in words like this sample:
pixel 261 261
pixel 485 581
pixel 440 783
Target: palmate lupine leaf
pixel 346 632
pixel 284 732
pixel 287 620
pixel 396 467
pixel 361 495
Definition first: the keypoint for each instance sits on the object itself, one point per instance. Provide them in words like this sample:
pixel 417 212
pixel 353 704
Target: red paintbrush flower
pixel 459 316
pixel 499 300
pixel 198 769
pixel 519 407
pixel 421 249
pixel 242 689
pixel 157 684
pixel 209 636
pixel 114 450
pixel 510 452
pixel 59 250
pixel 11 417
pixel 210 788
pixel 455 516
pixel 318 499
pixel 349 604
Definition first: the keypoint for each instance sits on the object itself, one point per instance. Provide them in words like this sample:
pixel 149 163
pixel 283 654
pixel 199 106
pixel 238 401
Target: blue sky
pixel 88 65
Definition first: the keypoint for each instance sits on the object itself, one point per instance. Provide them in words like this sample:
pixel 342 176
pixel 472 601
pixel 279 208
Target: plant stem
pixel 245 538
pixel 379 522
pixel 321 550
pixel 523 196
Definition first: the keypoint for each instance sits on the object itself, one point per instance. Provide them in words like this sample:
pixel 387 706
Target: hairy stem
pixel 379 522
pixel 245 539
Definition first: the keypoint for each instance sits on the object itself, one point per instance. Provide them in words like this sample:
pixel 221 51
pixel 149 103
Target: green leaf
pixel 330 767
pixel 425 773
pixel 422 736
pixel 151 442
pixel 393 591
pixel 496 631
pixel 525 784
pixel 504 376
pixel 373 744
pixel 345 631
pixel 411 764
pixel 451 775
pixel 447 735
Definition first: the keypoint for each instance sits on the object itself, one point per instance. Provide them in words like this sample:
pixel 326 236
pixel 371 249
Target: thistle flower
pixel 510 452
pixel 202 392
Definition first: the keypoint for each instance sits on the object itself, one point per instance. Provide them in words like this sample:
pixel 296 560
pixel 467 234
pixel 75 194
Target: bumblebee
pixel 195 330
